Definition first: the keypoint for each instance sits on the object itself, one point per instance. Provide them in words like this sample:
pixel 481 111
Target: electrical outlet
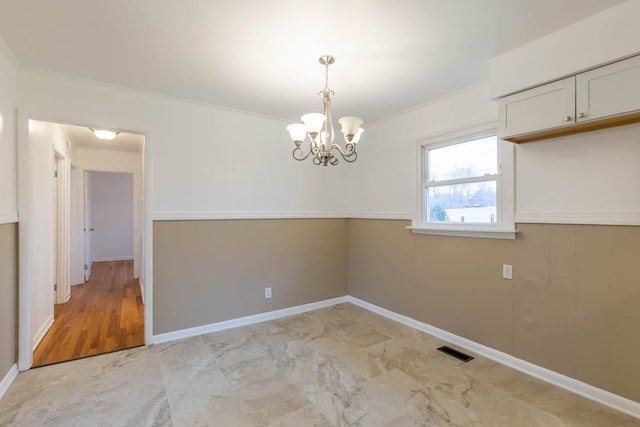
pixel 267 293
pixel 507 271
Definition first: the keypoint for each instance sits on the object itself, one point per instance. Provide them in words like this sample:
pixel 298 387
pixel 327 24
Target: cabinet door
pixel 544 107
pixel 608 91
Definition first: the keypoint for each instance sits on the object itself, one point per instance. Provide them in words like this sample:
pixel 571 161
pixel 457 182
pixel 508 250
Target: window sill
pixel 461 232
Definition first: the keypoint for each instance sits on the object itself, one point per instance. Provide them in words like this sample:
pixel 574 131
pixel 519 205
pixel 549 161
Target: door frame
pixel 26 238
pixel 85 225
pixel 76 271
pixel 61 228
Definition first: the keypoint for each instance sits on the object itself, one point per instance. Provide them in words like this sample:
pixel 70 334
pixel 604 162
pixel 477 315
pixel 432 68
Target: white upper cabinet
pixel 603 97
pixel 608 91
pixel 544 107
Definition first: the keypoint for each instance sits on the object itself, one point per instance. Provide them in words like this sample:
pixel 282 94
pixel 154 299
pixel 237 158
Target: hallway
pixel 103 315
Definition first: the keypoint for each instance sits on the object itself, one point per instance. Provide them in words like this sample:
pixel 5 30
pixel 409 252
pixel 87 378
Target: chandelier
pixel 319 128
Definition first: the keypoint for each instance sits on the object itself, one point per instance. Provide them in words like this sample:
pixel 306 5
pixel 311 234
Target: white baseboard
pixel 588 391
pixel 113 258
pixel 243 321
pixel 8 379
pixel 596 394
pixel 141 284
pixel 42 332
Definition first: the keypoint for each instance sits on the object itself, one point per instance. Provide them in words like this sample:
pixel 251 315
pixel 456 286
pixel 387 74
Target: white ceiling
pixel 82 138
pixel 262 55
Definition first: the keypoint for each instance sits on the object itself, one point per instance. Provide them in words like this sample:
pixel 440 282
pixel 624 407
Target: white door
pixel 88 228
pixel 60 231
pixel 112 216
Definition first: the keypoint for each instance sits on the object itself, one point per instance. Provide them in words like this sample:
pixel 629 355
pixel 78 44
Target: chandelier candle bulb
pixel 323 150
pixel 350 126
pixel 297 131
pixel 313 122
pixel 356 137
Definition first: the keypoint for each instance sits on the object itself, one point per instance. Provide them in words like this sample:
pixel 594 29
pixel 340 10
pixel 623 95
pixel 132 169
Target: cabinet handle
pixel 567 119
pixel 581 115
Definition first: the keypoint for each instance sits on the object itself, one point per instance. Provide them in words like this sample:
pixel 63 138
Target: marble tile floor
pixel 339 366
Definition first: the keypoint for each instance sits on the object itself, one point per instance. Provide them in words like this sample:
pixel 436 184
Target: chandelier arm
pixel 314 148
pixel 351 158
pixel 348 154
pixel 300 157
pixel 350 149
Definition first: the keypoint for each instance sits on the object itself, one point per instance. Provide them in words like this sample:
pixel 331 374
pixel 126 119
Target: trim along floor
pixel 103 315
pixel 335 366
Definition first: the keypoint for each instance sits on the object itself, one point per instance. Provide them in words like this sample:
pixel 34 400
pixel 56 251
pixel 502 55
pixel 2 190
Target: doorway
pixel 93 303
pixel 110 211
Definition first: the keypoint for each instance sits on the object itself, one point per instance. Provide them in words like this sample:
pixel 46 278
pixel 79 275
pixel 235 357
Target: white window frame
pixel 504 227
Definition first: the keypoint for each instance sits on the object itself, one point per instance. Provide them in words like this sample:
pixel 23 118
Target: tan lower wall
pixel 8 296
pixel 210 271
pixel 573 305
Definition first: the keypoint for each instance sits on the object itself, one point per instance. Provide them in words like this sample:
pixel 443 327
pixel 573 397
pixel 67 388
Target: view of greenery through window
pixel 461 184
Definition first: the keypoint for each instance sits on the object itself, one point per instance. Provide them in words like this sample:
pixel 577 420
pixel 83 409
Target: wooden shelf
pixel 623 119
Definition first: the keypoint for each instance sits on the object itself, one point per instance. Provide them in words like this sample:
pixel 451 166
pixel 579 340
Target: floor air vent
pixel 455 353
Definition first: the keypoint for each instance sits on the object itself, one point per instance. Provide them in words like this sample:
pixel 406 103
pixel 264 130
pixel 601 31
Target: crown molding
pixel 158 95
pixel 5 51
pixel 430 102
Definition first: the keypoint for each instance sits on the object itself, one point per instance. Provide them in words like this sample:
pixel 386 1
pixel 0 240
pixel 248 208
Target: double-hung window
pixel 466 184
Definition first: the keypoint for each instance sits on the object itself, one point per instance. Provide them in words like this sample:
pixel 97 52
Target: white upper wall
pixel 382 183
pixel 8 159
pixel 209 162
pixel 607 36
pixel 206 161
pixel 108 160
pixel 588 178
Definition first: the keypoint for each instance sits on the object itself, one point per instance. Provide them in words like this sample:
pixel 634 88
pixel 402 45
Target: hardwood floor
pixel 103 315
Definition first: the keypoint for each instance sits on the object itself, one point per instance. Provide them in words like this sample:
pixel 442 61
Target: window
pixel 466 184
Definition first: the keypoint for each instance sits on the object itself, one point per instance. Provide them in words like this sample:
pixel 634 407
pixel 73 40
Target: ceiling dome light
pixel 105 134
